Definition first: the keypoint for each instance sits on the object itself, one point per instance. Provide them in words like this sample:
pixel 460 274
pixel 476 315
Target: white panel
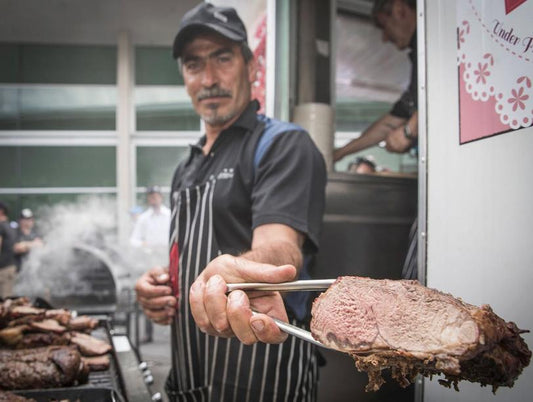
pixel 480 209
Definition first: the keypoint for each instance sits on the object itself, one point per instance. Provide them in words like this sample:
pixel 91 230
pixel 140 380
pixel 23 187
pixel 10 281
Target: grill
pixel 123 381
pixel 99 291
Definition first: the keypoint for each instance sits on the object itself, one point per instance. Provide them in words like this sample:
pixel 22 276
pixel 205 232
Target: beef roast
pixel 10 397
pixel 39 339
pixel 54 366
pixel 411 329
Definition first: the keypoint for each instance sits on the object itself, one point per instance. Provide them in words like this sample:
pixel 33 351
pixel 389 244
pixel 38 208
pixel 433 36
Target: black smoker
pixel 365 233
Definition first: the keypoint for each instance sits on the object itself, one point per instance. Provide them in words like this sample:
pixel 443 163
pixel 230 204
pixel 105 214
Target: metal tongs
pixel 302 285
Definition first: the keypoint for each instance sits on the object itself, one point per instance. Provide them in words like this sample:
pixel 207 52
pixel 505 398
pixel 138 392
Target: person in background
pixel 8 269
pixel 363 165
pixel 248 204
pixel 399 127
pixel 26 237
pixel 152 226
pixel 150 233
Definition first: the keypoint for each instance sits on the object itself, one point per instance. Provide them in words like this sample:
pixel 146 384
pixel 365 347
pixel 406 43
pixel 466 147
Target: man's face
pixel 154 199
pixel 217 78
pixel 26 223
pixel 395 24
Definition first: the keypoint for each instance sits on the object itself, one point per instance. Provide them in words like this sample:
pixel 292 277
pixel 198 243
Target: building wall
pixel 479 209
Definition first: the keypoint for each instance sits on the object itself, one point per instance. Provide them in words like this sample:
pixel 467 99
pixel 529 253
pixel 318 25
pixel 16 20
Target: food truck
pixel 469 184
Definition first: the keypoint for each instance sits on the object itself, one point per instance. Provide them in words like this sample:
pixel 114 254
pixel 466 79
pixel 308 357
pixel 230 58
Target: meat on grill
pixel 81 323
pixel 12 335
pixel 48 325
pixel 411 329
pixel 50 367
pixel 37 327
pixel 89 345
pixel 97 363
pixel 39 339
pixel 62 316
pixel 10 397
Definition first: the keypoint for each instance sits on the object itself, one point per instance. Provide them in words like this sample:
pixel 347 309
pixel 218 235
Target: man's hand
pixel 217 313
pixel 154 294
pixel 397 142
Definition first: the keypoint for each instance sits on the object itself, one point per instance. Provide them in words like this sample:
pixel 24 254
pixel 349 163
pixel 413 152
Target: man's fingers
pixel 196 301
pixel 239 314
pixel 250 272
pixel 266 330
pixel 158 303
pixel 215 303
pixel 239 269
pixel 161 316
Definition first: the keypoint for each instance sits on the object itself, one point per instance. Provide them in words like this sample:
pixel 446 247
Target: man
pixel 363 165
pixel 8 268
pixel 26 238
pixel 399 127
pixel 152 226
pixel 247 206
pixel 150 233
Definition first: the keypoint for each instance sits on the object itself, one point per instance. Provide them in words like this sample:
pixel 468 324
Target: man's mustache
pixel 213 93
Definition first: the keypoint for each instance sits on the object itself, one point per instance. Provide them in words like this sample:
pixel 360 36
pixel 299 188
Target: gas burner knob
pixel 157 397
pixel 149 379
pixel 143 366
pixel 147 373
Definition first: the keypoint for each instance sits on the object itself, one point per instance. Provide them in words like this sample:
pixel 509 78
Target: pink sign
pixel 495 58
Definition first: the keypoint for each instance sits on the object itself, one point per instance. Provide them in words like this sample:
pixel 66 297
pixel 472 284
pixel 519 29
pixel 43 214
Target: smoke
pixel 79 239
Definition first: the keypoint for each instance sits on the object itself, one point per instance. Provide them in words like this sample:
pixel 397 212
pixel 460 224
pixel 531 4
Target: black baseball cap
pixel 222 20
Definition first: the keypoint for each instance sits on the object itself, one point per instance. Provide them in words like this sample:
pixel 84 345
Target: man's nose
pixel 209 75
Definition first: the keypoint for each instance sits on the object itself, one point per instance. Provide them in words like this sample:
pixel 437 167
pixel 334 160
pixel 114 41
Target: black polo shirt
pixel 408 102
pixel 266 171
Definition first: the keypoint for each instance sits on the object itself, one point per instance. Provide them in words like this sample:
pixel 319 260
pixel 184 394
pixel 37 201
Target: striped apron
pixel 208 368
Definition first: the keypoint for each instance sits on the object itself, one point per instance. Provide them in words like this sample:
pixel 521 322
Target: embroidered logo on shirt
pixel 226 174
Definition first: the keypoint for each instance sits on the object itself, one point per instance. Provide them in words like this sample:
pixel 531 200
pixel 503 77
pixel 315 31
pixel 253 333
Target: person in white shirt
pixel 151 232
pixel 152 227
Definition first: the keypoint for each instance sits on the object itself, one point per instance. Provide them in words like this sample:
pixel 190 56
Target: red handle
pixel 173 270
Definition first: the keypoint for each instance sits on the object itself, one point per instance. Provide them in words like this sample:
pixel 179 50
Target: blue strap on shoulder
pixel 272 129
pixel 297 301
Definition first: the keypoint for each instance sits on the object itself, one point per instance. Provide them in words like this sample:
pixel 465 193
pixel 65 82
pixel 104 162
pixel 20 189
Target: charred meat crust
pixel 411 329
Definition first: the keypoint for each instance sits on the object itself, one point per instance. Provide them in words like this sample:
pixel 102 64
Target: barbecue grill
pixel 104 295
pixel 123 381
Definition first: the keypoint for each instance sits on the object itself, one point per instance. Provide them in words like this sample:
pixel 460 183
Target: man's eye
pixel 192 66
pixel 224 58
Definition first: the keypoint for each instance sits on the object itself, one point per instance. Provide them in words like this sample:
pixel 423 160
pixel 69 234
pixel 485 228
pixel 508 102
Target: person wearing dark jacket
pixel 399 127
pixel 26 237
pixel 247 206
pixel 8 269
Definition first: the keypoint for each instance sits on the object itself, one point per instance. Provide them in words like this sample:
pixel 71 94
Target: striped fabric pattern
pixel 207 368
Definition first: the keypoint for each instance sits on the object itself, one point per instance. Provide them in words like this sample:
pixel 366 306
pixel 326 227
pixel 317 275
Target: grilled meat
pixel 10 397
pixel 411 329
pixel 82 323
pixel 97 363
pixel 89 345
pixel 54 366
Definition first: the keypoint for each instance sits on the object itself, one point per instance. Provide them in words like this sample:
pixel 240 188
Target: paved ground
pixel 339 380
pixel 157 355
